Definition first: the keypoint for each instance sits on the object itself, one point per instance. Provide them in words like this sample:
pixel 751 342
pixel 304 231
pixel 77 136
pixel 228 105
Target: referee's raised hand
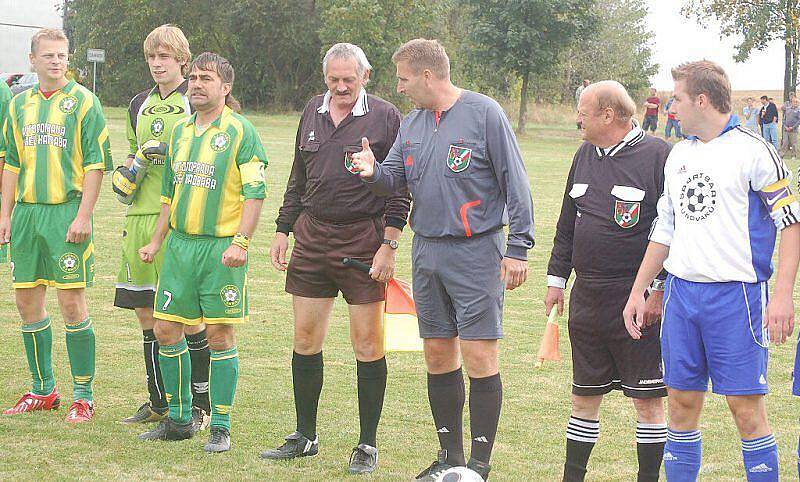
pixel 364 161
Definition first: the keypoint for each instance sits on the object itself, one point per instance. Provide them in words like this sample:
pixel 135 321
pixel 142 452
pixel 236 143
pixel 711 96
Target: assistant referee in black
pixel 615 181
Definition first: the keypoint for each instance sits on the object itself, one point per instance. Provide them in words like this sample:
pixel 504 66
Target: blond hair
pixel 47 34
pixel 708 78
pixel 216 63
pixel 422 54
pixel 171 38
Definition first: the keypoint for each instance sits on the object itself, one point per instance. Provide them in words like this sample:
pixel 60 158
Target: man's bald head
pixel 610 94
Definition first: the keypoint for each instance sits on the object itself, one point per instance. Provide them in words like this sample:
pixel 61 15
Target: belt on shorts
pixel 343 223
pixel 459 238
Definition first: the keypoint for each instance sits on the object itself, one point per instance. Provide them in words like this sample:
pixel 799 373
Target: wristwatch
pixel 657 285
pixel 391 242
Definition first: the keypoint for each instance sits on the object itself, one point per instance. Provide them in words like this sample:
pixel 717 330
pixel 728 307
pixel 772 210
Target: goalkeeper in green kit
pixel 151 116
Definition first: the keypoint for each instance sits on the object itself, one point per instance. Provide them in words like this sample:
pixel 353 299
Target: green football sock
pixel 222 378
pixel 38 339
pixel 176 372
pixel 80 348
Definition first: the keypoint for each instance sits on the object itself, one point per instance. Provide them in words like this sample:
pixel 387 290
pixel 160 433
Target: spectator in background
pixel 651 112
pixel 750 114
pixel 786 105
pixel 672 122
pixel 791 120
pixel 768 119
pixel 579 90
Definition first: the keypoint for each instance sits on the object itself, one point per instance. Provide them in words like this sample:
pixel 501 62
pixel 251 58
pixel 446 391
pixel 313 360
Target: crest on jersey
pixel 348 163
pixel 626 213
pixel 230 295
pixel 458 158
pixel 220 141
pixel 68 262
pixel 157 127
pixel 68 104
pixel 698 198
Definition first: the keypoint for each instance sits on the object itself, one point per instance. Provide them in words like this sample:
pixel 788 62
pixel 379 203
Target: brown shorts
pixel 316 269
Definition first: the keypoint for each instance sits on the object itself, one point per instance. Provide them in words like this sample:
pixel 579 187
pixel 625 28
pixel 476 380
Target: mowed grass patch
pixel 530 443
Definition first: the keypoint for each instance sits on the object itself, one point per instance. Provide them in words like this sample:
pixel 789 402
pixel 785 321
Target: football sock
pixel 485 401
pixel 199 354
pixel 80 349
pixel 650 440
pixel 38 340
pixel 371 389
pixel 682 455
pixel 761 458
pixel 798 458
pixel 307 382
pixel 222 379
pixel 176 370
pixel 446 396
pixel 155 385
pixel 582 434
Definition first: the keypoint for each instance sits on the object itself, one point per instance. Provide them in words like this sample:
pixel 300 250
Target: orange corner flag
pixel 400 327
pixel 548 350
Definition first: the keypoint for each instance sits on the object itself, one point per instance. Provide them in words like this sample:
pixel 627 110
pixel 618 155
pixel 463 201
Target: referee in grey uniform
pixel 458 156
pixel 614 184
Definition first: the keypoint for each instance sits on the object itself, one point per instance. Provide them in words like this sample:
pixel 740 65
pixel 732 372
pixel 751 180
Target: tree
pixel 758 22
pixel 526 36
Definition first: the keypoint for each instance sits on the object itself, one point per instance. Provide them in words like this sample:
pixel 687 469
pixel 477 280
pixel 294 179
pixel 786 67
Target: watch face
pixel 391 242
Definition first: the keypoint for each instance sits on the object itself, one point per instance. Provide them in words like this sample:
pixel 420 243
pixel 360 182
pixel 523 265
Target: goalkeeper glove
pixel 123 182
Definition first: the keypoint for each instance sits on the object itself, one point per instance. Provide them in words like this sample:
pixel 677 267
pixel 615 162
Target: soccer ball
pixel 460 474
pixel 697 196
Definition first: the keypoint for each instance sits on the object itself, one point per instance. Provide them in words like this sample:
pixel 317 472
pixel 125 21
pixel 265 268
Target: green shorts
pixel 194 287
pixel 137 280
pixel 39 253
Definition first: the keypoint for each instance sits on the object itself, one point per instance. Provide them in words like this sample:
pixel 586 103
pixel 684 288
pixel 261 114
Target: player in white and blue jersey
pixel 726 194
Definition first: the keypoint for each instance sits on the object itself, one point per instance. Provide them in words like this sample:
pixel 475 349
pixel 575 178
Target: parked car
pixel 10 78
pixel 25 82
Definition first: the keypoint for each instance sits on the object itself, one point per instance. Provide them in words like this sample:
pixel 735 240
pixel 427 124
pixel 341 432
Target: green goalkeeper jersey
pixel 53 141
pixel 151 117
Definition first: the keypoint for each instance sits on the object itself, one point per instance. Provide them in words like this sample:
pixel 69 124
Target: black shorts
pixel 604 356
pixel 315 267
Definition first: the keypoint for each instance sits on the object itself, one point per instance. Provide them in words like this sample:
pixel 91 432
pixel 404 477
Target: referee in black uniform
pixel 609 204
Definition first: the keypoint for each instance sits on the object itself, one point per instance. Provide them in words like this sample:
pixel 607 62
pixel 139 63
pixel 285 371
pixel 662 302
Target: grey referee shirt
pixel 608 208
pixel 465 173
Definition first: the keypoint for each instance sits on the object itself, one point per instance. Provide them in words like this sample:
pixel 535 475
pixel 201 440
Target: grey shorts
pixel 457 286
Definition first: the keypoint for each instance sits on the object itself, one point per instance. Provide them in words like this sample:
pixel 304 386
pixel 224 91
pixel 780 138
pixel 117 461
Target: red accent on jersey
pixel 464 219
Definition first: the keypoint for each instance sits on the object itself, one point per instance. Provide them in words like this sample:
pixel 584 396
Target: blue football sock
pixel 682 455
pixel 761 458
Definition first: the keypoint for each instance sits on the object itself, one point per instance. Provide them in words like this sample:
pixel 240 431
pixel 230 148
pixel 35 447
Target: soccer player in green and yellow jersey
pixel 151 117
pixel 211 195
pixel 5 99
pixel 57 151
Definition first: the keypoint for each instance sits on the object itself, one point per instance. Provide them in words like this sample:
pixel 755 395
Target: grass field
pixel 530 442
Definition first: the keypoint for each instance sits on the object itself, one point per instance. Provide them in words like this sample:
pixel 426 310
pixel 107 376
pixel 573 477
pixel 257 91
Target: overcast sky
pixel 678 39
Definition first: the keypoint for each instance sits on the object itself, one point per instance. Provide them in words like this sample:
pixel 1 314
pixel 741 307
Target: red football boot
pixel 31 402
pixel 80 411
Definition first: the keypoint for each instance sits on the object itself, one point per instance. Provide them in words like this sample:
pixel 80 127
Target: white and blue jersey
pixel 723 203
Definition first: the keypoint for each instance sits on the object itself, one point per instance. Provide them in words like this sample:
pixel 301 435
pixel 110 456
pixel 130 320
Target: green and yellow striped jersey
pixel 208 175
pixel 151 117
pixel 5 98
pixel 53 142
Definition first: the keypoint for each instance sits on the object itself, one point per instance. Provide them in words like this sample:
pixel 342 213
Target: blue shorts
pixel 716 330
pixel 796 373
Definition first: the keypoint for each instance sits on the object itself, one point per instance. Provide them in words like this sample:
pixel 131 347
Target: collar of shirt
pixel 226 111
pixel 38 90
pixel 183 87
pixel 733 122
pixel 360 108
pixel 633 137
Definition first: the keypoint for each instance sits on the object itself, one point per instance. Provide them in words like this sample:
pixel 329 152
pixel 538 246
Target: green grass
pixel 530 443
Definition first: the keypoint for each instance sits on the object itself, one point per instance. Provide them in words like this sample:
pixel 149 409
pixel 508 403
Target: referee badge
pixel 626 213
pixel 348 163
pixel 458 158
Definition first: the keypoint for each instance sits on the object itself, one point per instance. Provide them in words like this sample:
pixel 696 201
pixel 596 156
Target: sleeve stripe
pixel 8 167
pixel 781 172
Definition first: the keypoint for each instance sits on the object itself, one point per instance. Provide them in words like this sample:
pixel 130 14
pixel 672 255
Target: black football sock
pixel 307 380
pixel 446 396
pixel 371 389
pixel 155 386
pixel 485 401
pixel 582 434
pixel 650 440
pixel 201 360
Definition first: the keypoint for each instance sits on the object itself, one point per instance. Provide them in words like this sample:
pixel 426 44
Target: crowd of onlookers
pixel 777 125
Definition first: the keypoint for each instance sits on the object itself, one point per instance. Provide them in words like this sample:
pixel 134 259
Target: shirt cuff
pixel 556 282
pixel 393 222
pixel 284 228
pixel 517 252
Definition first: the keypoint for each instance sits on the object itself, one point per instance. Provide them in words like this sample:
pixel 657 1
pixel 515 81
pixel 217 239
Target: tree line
pixel 516 50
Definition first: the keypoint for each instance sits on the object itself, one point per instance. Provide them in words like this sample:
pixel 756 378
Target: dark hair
pixel 764 97
pixel 219 64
